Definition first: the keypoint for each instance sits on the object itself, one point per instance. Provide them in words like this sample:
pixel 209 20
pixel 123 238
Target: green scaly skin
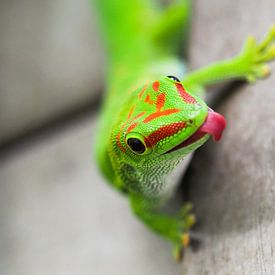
pixel 146 114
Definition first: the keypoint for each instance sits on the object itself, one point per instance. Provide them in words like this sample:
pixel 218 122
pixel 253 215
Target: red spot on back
pixel 159 114
pixel 155 86
pixel 163 132
pixel 185 96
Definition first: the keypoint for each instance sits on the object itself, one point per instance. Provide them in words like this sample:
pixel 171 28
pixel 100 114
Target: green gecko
pixel 150 119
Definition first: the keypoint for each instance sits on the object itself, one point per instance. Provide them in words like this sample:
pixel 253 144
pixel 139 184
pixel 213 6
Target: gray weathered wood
pixel 232 183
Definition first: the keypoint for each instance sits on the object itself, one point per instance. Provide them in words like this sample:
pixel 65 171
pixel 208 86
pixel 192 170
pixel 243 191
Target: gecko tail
pixel 172 28
pixel 143 26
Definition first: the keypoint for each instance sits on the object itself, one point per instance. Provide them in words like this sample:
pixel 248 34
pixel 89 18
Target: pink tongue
pixel 214 125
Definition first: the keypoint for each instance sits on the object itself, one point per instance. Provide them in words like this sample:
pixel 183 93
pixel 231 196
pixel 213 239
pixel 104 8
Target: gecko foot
pixel 255 56
pixel 186 221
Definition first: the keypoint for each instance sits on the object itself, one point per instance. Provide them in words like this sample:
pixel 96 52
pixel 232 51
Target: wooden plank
pixel 232 183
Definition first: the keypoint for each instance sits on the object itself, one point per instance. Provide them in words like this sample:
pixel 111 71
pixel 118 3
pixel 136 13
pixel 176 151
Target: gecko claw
pixel 178 254
pixel 185 239
pixel 182 241
pixel 255 56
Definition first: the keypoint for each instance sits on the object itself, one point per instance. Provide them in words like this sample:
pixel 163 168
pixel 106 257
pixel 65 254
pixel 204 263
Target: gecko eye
pixel 136 145
pixel 173 78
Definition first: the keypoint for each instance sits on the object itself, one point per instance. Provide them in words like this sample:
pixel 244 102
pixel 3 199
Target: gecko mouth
pixel 213 125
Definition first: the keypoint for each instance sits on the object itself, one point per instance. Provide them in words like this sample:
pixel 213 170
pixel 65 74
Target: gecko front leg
pixel 249 65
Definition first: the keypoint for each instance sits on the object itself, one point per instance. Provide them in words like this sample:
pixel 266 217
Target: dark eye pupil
pixel 173 78
pixel 136 145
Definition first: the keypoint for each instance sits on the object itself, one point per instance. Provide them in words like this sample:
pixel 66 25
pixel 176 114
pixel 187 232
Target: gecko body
pixel 154 114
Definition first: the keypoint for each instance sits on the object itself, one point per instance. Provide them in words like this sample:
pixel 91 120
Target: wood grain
pixel 232 183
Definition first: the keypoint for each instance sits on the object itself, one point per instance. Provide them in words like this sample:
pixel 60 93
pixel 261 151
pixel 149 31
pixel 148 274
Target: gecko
pixel 154 113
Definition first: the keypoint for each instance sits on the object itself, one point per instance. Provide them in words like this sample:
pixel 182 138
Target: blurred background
pixel 51 62
pixel 57 215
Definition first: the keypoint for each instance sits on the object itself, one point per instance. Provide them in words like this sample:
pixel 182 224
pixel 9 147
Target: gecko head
pixel 162 121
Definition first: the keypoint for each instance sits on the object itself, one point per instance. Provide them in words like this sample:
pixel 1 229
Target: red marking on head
pixel 148 100
pixel 155 86
pixel 131 111
pixel 142 91
pixel 138 116
pixel 123 125
pixel 159 114
pixel 185 96
pixel 119 143
pixel 163 132
pixel 132 126
pixel 160 101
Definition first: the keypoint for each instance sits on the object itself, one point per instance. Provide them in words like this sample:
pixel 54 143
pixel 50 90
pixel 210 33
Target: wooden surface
pixel 232 183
